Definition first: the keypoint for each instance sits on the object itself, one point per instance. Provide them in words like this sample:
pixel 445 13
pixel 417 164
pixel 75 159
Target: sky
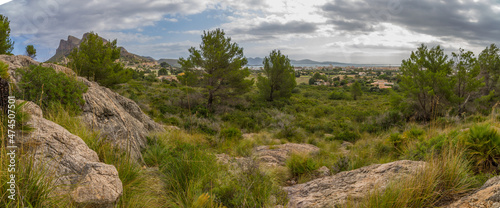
pixel 348 31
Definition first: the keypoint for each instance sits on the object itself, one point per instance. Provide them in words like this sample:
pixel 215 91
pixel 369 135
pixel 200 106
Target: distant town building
pixel 382 84
pixel 168 78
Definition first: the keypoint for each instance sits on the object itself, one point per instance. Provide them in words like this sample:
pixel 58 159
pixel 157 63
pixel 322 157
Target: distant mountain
pixel 66 46
pixel 311 62
pixel 258 62
pixel 255 61
pixel 172 62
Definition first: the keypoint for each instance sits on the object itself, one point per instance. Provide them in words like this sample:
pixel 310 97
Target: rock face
pixel 76 167
pixel 277 155
pixel 66 46
pixel 118 118
pixel 488 196
pixel 334 190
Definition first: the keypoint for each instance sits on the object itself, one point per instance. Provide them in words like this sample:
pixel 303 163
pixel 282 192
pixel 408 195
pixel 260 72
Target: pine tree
pixel 95 60
pixel 221 63
pixel 279 79
pixel 31 51
pixel 6 44
pixel 489 64
pixel 356 90
pixel 427 81
pixel 466 71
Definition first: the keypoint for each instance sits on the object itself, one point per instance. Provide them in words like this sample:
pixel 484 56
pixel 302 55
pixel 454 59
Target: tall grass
pixel 33 183
pixel 193 177
pixel 443 179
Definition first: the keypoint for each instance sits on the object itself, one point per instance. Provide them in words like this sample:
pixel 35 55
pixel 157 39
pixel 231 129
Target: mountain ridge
pixel 257 61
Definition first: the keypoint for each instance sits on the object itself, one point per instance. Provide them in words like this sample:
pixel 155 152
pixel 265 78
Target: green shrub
pixel 396 140
pixel 45 85
pixel 349 136
pixel 433 146
pixel 230 133
pixel 483 144
pixel 342 164
pixel 339 95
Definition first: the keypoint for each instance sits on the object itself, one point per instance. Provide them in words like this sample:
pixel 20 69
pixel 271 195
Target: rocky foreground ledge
pixel 118 119
pixel 74 166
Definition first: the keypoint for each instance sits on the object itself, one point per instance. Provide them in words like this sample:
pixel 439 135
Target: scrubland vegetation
pixel 441 110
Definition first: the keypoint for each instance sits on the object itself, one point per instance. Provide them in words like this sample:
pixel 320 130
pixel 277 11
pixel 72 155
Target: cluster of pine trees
pixel 217 67
pixel 437 85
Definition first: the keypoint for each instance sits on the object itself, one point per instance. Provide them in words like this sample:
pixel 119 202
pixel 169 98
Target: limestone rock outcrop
pixel 488 196
pixel 117 118
pixel 333 190
pixel 276 155
pixel 77 170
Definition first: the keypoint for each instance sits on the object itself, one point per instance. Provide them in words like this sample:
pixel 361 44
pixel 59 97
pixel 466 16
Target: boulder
pixel 488 196
pixel 332 191
pixel 117 118
pixel 276 155
pixel 76 168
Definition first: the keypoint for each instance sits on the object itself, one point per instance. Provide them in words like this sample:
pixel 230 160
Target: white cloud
pixel 46 20
pixel 335 30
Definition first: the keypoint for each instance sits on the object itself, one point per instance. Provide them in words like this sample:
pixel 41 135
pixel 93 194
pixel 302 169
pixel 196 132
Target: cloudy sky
pixel 350 31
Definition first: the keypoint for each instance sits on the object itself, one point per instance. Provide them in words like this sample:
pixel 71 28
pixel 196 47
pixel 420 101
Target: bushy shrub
pixel 483 144
pixel 433 146
pixel 396 140
pixel 339 95
pixel 342 164
pixel 230 133
pixel 44 84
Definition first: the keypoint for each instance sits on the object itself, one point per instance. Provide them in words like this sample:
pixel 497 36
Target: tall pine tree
pixel 217 67
pixel 279 79
pixel 427 82
pixel 465 71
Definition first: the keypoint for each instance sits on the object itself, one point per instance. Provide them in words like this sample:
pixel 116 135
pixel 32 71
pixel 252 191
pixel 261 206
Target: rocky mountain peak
pixel 66 46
